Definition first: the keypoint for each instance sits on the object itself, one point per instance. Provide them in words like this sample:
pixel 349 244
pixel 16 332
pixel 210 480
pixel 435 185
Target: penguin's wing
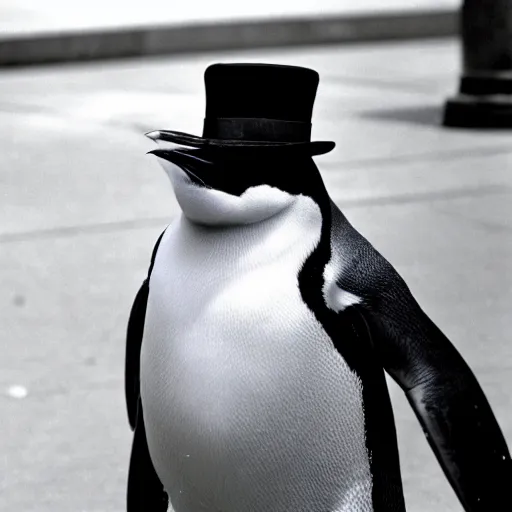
pixel 134 335
pixel 444 393
pixel 145 492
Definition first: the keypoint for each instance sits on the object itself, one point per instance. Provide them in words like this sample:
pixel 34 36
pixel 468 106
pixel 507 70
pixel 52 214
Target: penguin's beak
pixel 178 157
pixel 190 160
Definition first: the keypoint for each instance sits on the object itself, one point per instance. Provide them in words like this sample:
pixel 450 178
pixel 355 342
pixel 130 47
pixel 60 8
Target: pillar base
pixel 484 101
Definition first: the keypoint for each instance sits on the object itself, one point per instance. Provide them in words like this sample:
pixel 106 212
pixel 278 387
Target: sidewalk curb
pixel 20 50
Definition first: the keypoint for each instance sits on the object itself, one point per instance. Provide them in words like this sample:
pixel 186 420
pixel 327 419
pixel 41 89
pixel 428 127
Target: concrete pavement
pixel 82 206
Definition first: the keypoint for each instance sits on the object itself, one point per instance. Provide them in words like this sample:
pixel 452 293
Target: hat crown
pixel 260 91
pixel 259 102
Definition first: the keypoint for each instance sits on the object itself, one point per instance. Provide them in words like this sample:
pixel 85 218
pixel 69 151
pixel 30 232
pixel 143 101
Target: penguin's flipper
pixel 133 345
pixel 145 491
pixel 134 335
pixel 441 388
pixel 447 399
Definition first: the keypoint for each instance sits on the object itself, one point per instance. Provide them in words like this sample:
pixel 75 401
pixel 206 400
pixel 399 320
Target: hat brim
pixel 310 148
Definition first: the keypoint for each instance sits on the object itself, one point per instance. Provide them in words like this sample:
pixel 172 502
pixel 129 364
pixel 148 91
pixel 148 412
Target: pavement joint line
pixel 425 197
pixel 488 227
pixel 23 108
pixel 127 225
pixel 70 231
pixel 415 158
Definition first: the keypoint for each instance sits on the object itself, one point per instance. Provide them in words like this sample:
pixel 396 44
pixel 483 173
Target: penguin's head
pixel 227 189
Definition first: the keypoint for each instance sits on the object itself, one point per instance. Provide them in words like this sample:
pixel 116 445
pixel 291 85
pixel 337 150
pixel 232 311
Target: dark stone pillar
pixel 485 93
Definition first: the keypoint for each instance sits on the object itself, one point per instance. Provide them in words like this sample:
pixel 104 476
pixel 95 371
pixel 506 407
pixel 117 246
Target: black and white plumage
pixel 264 331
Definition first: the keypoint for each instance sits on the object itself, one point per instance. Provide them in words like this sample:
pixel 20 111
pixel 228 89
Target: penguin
pixel 257 347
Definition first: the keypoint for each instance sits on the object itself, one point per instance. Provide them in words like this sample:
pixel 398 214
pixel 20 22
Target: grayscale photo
pixel 256 256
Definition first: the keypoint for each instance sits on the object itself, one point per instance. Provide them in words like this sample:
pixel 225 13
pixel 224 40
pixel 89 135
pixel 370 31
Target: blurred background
pixel 82 204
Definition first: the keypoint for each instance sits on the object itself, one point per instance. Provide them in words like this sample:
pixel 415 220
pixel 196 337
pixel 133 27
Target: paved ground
pixel 82 206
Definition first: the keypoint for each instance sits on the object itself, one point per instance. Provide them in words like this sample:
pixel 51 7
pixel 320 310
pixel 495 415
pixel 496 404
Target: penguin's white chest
pixel 247 404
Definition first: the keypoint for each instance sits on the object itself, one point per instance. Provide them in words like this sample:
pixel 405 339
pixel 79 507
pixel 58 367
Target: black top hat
pixel 256 106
